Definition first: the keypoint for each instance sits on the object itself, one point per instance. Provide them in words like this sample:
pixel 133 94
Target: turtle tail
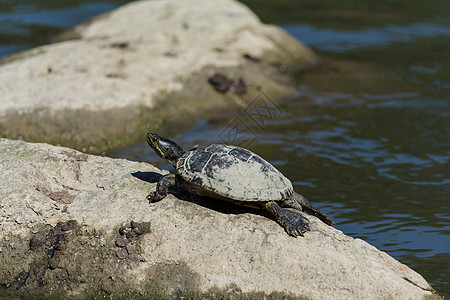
pixel 313 210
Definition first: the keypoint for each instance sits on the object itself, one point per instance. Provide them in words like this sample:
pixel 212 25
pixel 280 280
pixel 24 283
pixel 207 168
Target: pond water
pixel 367 139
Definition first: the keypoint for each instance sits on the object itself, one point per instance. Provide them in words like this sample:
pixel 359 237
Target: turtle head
pixel 165 148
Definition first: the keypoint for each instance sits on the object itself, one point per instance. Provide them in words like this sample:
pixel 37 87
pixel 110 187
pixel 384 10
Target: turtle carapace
pixel 234 174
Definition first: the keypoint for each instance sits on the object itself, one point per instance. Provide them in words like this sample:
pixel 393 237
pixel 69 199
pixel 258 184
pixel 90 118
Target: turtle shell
pixel 233 173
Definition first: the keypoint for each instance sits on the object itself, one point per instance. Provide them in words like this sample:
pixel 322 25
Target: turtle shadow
pixel 218 205
pixel 151 177
pixel 180 193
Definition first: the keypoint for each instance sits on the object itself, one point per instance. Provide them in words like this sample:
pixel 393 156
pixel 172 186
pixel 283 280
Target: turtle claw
pixel 153 196
pixel 296 233
pixel 292 221
pixel 150 197
pixel 295 224
pixel 306 227
pixel 162 188
pixel 297 227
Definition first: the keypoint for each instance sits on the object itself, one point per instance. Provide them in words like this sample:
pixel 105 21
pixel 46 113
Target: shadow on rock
pixel 207 202
pixel 151 177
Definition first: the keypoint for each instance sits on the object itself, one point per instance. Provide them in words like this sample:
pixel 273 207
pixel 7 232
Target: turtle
pixel 235 174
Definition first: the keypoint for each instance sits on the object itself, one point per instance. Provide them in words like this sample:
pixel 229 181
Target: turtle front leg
pixel 293 222
pixel 162 188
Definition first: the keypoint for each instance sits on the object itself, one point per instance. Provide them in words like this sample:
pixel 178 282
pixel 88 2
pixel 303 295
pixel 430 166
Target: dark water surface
pixel 368 137
pixel 28 23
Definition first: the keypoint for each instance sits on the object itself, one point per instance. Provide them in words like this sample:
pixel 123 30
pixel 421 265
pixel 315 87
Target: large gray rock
pixel 194 248
pixel 105 84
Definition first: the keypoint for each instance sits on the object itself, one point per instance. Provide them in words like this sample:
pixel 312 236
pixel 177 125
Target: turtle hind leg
pixel 162 188
pixel 299 202
pixel 293 222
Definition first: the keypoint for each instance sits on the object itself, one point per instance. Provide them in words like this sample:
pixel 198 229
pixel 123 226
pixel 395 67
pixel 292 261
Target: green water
pixel 367 138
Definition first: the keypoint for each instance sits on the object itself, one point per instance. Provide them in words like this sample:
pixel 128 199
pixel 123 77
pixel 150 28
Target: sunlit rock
pixel 80 226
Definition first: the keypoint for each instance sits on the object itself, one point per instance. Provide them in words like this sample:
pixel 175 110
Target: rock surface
pixel 106 83
pixel 60 214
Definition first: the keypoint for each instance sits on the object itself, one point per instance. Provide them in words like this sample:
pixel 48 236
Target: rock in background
pixel 66 230
pixel 110 80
